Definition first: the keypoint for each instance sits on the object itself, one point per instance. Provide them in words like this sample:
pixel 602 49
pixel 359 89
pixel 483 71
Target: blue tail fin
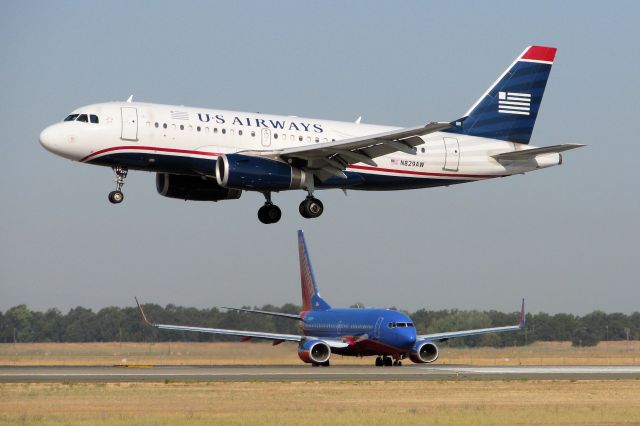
pixel 508 110
pixel 311 300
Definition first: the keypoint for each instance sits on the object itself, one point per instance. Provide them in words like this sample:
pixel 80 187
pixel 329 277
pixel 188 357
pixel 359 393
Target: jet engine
pixel 314 351
pixel 258 174
pixel 193 188
pixel 424 352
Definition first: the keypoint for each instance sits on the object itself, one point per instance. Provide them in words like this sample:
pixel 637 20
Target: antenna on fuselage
pixel 359 120
pixel 130 99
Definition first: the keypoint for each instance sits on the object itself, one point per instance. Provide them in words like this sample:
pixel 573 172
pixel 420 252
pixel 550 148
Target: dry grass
pixel 542 353
pixel 371 403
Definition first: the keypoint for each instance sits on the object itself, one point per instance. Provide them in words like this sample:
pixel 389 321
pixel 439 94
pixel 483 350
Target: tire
pixel 379 362
pixel 312 208
pixel 116 197
pixel 262 215
pixel 273 213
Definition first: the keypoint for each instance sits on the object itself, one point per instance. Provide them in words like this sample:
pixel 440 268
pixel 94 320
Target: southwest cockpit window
pixel 399 324
pixel 85 118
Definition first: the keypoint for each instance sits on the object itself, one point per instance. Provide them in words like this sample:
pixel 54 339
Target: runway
pixel 308 373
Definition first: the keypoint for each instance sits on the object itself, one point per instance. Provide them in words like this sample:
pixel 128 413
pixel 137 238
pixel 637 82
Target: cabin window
pixel 224 131
pixel 182 127
pixel 83 118
pixel 300 138
pixel 253 134
pixel 164 125
pixel 215 130
pixel 275 136
pixel 198 128
pixel 317 140
pixel 157 125
pixel 94 119
pixel 422 149
pixel 239 132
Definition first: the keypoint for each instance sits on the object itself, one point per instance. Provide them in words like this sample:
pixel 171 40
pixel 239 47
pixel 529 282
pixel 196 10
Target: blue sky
pixel 565 238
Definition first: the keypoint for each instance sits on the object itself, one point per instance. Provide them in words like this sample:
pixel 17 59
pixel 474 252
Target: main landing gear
pixel 269 213
pixel 386 361
pixel 310 208
pixel 117 196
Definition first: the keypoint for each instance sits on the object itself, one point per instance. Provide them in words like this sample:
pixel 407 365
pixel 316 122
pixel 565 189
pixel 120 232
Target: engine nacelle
pixel 193 188
pixel 314 351
pixel 258 174
pixel 424 352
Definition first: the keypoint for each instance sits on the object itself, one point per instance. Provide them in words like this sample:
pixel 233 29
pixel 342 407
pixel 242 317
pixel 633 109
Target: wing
pixel 527 154
pixel 245 334
pixel 328 159
pixel 452 334
pixel 256 311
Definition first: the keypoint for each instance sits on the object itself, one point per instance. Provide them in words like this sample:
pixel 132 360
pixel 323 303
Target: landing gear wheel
pixel 269 213
pixel 379 362
pixel 397 363
pixel 116 197
pixel 387 361
pixel 311 208
pixel 326 364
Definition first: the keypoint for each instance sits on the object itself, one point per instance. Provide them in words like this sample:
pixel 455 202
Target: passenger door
pixel 266 137
pixel 129 124
pixel 451 154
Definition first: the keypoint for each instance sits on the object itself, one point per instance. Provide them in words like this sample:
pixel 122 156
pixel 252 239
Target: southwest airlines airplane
pixel 213 155
pixel 387 334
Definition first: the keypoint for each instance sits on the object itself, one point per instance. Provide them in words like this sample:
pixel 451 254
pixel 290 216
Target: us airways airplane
pixel 387 334
pixel 213 155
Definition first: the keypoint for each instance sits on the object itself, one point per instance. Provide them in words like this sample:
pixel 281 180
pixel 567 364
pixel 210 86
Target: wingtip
pixel 143 317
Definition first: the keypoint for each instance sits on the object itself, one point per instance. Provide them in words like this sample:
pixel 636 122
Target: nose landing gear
pixel 117 196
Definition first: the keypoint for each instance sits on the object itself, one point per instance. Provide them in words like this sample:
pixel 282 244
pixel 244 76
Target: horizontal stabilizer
pixel 528 154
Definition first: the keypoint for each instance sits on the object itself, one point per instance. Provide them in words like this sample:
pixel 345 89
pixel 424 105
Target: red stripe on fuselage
pixel 216 154
pixel 149 148
pixel 412 172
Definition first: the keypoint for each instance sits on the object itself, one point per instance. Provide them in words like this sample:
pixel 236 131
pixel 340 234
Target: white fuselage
pixel 167 139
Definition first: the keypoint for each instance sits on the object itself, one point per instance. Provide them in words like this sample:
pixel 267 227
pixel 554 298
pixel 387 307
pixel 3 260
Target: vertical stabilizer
pixel 509 108
pixel 311 300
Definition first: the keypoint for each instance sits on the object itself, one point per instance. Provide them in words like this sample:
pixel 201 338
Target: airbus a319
pixel 212 155
pixel 387 334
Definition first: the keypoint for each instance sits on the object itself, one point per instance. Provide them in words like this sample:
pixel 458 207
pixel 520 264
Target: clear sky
pixel 565 238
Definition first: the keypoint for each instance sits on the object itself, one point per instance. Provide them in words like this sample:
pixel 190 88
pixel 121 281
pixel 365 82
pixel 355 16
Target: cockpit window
pixel 93 118
pixel 71 117
pixel 83 118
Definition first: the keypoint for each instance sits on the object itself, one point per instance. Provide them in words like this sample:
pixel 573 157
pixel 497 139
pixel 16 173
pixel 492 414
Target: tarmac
pixel 291 373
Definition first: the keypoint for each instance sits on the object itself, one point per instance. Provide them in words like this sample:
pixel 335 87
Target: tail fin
pixel 508 110
pixel 311 300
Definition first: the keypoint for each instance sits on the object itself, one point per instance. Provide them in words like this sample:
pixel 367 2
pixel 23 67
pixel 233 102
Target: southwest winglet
pixel 143 317
pixel 522 315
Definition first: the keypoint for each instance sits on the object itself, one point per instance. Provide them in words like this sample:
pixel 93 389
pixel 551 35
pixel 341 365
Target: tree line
pixel 20 324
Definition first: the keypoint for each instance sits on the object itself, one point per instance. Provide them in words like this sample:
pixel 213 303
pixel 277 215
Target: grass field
pixel 300 403
pixel 541 353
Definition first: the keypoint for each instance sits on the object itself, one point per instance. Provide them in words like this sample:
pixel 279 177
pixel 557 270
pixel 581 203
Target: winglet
pixel 142 315
pixel 522 316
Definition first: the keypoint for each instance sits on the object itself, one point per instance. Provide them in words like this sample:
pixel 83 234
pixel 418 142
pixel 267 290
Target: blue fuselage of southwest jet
pixel 371 331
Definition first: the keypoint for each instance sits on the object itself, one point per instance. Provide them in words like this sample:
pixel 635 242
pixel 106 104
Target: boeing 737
pixel 387 334
pixel 212 155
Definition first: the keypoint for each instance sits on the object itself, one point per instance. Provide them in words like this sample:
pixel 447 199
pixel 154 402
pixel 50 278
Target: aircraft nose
pixel 50 139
